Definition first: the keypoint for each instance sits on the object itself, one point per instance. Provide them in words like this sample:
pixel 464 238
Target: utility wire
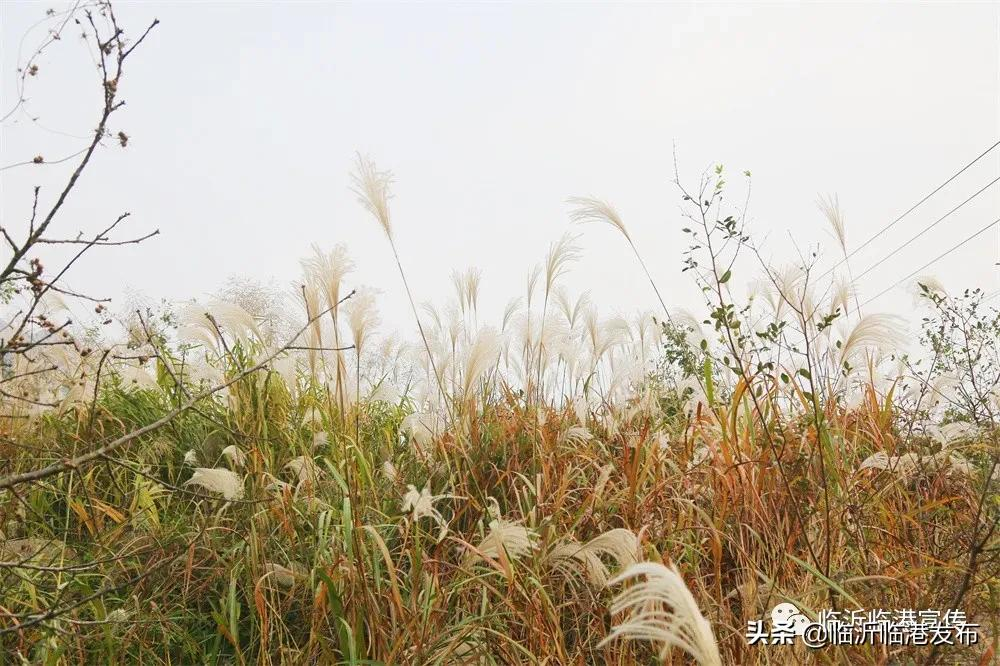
pixel 932 262
pixel 923 231
pixel 908 211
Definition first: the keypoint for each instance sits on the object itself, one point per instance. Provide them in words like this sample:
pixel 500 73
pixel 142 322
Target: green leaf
pixel 832 584
pixel 725 277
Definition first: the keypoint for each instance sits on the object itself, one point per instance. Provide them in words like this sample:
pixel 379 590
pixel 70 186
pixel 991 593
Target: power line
pixel 909 210
pixel 924 230
pixel 932 262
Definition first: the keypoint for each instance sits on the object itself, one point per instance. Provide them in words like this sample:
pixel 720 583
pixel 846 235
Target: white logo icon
pixel 786 618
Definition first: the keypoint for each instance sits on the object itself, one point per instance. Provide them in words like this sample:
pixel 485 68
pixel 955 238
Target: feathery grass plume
pixel 699 455
pixel 594 210
pixel 602 481
pixel 194 326
pixel 420 504
pixel 619 544
pixel 927 285
pixel 625 376
pixel 506 537
pixel 276 485
pixel 949 433
pixel 282 576
pixel 574 435
pixel 647 335
pixel 787 288
pixel 662 610
pixel 435 316
pixel 191 457
pixel 458 282
pixel 320 440
pixel 308 295
pixel 878 332
pixel 830 205
pixel 532 282
pixel 313 418
pixel 570 309
pixel 908 465
pixel 372 188
pixel 939 390
pixel 602 336
pixel 877 460
pixel 513 306
pixel 841 293
pixel 562 253
pixel 209 323
pixel 581 409
pixel 691 326
pixel 764 288
pixel 326 271
pixel 234 456
pixel 218 480
pixel 423 428
pixel 287 368
pixel 304 469
pixel 362 317
pixel 135 377
pixel 467 288
pixel 479 357
pixel 454 327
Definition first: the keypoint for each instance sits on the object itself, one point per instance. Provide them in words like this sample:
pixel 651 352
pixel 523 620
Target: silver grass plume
pixel 372 188
pixel 513 306
pixel 660 609
pixel 506 537
pixel 561 254
pixel 830 205
pixel 619 544
pixel 362 317
pixel 420 504
pixel 595 210
pixel 532 281
pixel 218 480
pixel 479 357
pixel 879 332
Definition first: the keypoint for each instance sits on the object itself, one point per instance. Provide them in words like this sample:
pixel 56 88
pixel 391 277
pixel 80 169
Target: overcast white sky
pixel 245 117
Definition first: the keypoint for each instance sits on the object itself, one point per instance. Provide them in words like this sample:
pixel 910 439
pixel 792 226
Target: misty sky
pixel 245 117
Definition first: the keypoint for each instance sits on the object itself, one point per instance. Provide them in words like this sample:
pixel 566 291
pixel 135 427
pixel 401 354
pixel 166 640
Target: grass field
pixel 270 476
pixel 210 495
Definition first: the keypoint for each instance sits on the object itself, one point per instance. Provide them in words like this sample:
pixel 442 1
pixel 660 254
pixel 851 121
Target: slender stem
pixel 650 278
pixel 420 327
